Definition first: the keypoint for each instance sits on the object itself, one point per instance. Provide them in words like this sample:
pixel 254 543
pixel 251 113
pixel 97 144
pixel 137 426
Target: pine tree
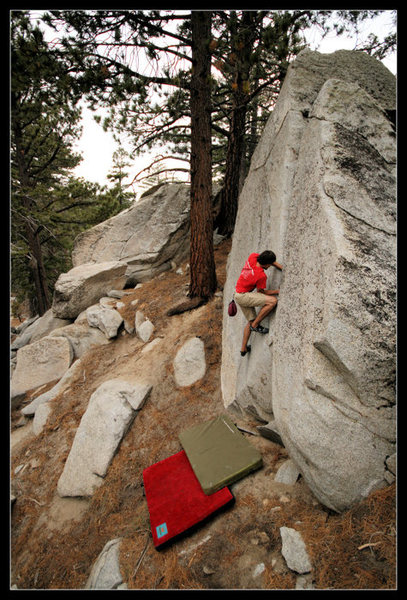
pixel 48 205
pixel 117 175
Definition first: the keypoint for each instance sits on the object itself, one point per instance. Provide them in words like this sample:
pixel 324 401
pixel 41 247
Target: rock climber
pixel 250 292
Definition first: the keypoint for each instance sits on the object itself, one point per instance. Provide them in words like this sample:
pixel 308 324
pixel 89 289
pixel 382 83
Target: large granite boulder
pixel 147 237
pixel 41 327
pixel 321 194
pixel 84 285
pixel 39 363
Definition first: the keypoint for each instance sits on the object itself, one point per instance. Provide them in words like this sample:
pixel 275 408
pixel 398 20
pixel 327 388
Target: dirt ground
pixel 55 541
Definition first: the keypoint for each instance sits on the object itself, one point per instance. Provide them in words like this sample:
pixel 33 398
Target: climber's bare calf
pixel 270 303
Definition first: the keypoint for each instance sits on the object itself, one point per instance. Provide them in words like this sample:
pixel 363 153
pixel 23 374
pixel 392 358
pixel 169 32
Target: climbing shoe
pixel 259 329
pixel 244 352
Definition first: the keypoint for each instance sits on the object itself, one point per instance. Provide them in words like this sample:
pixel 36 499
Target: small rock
pixel 105 573
pixel 106 319
pixel 117 293
pixel 128 327
pixel 107 302
pixel 304 582
pixel 189 363
pixel 258 569
pixel 294 551
pixel 145 330
pixel 288 473
pixel 143 327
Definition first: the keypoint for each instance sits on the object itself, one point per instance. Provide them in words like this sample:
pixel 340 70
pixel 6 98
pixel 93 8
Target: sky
pixel 97 146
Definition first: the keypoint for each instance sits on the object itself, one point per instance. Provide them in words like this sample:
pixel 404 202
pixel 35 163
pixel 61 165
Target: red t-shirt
pixel 251 276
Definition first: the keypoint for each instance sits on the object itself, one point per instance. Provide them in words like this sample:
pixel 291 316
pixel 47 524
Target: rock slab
pixel 111 410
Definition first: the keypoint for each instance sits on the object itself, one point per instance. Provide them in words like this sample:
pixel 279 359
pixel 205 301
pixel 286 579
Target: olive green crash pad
pixel 218 453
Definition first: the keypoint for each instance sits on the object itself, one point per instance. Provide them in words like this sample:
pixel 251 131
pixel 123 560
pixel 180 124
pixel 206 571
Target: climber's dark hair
pixel 267 257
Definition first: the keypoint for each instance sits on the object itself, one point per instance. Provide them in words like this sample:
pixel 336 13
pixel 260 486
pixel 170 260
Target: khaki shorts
pixel 248 300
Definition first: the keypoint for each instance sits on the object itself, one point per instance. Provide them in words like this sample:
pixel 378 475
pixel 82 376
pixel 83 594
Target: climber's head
pixel 266 258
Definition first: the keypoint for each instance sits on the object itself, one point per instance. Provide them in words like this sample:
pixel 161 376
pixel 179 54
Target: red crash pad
pixel 175 499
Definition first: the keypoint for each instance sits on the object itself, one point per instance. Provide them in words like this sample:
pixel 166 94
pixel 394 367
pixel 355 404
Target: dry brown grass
pixel 336 543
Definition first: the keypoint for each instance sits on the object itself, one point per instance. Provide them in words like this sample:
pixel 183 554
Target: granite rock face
pixel 146 237
pixel 321 193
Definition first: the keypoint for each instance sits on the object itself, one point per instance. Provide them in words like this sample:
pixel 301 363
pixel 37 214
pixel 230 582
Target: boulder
pixel 38 329
pixel 71 375
pixel 143 326
pixel 84 285
pixel 288 473
pixel 146 237
pixel 321 193
pixel 189 362
pixel 39 363
pixel 105 573
pixel 81 336
pixel 108 320
pixel 26 323
pixel 110 412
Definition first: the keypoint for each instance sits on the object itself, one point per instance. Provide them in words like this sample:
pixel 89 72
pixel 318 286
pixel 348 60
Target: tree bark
pixel 202 263
pixel 230 191
pixel 242 37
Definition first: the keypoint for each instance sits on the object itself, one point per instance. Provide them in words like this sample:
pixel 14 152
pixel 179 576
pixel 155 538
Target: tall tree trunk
pixel 202 263
pixel 38 270
pixel 234 156
pixel 242 36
